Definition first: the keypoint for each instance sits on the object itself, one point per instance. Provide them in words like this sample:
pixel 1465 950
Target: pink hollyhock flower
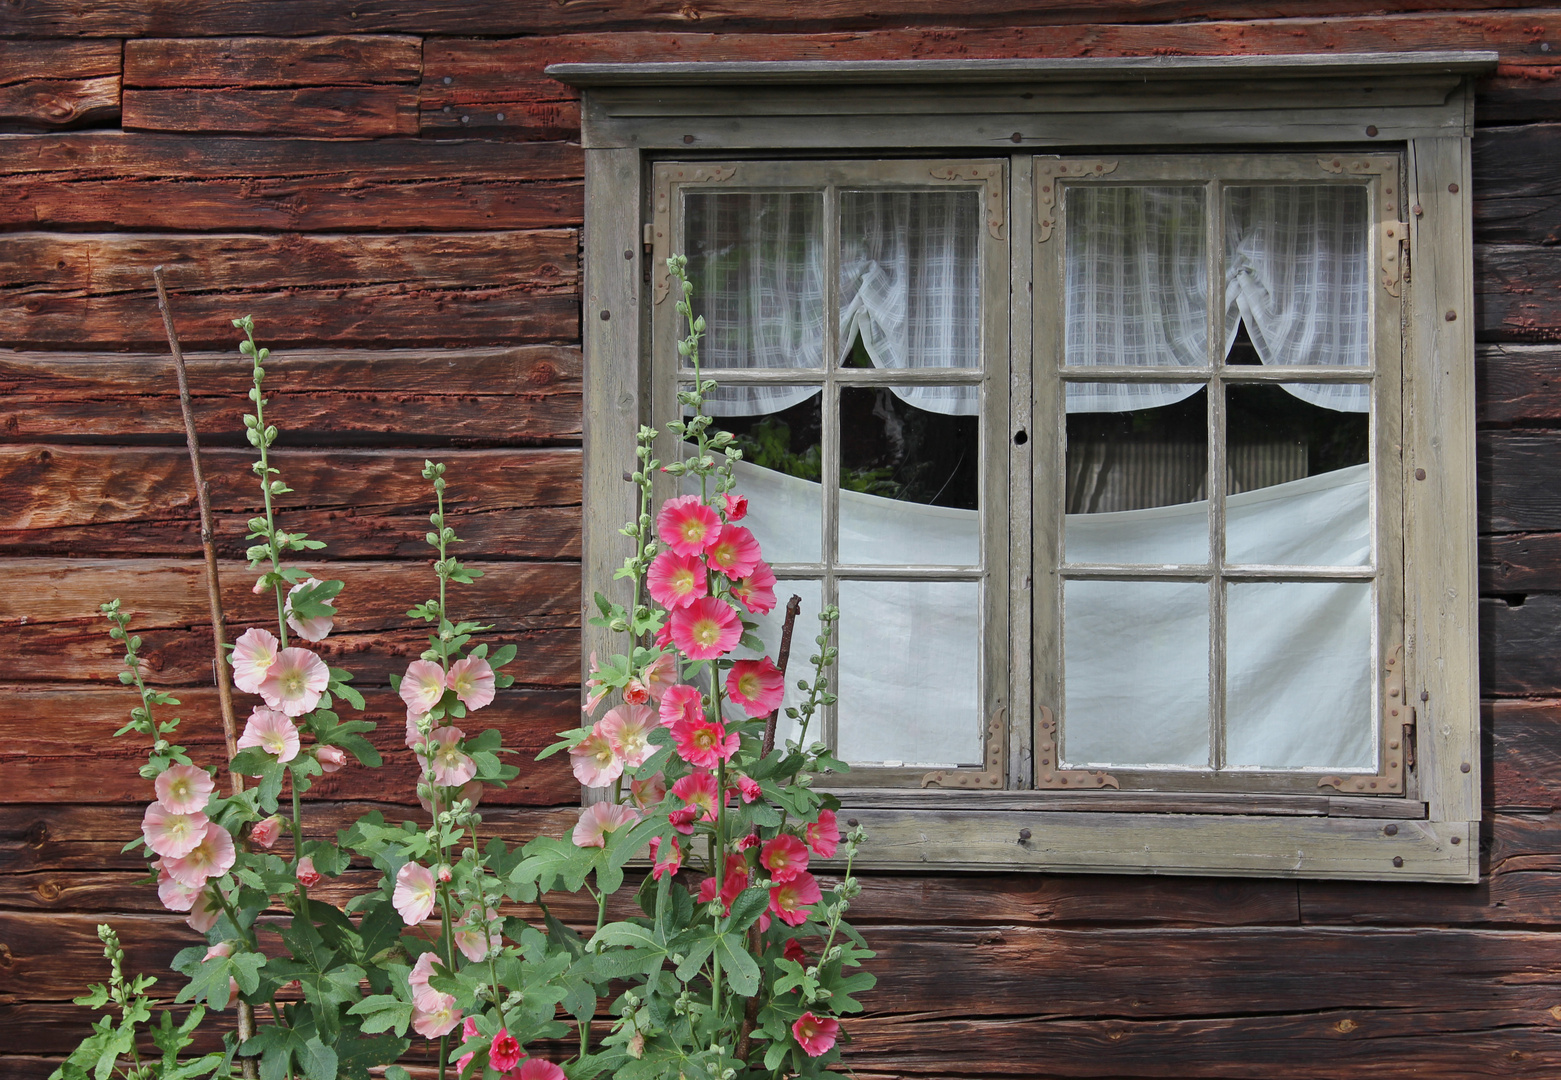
pixel 265 832
pixel 451 767
pixel 331 758
pixel 687 525
pixel 647 793
pixel 793 951
pixel 824 835
pixel 749 788
pixel 307 875
pixel 595 764
pixel 171 835
pixel 627 729
pixel 662 867
pixel 435 1015
pixel 681 702
pixel 697 789
pixel 663 637
pixel 706 629
pixel 659 676
pixel 676 581
pixel 599 819
pixel 422 686
pixel 702 742
pixel 414 895
pixel 505 1053
pixel 471 793
pixel 473 936
pixel 736 506
pixel 443 875
pixel 814 1034
pixel 789 901
pixel 414 736
pixel 254 654
pixel 749 841
pixel 184 789
pixel 422 971
pixel 472 681
pixel 211 857
pixel 174 896
pixel 468 1033
pixel 222 948
pixel 757 686
pixel 205 910
pixel 636 692
pixel 735 552
pixel 682 819
pixel 736 881
pixel 295 682
pixel 784 857
pixel 537 1069
pixel 314 629
pixel 757 590
pixel 273 732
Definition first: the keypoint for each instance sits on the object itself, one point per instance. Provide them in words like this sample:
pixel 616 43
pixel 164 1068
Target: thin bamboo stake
pixel 246 1014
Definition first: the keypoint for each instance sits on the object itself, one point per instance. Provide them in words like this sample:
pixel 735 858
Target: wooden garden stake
pixel 793 607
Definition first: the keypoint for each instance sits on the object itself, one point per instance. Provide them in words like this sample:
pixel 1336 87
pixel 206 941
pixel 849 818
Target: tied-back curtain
pixel 910 287
pixel 1297 274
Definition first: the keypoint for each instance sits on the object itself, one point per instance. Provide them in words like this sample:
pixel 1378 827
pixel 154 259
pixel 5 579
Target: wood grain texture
pixel 1517 293
pixel 1516 563
pixel 1519 481
pixel 321 112
pixel 1516 184
pixel 403 397
pixel 333 60
pixel 1518 384
pixel 1520 637
pixel 437 289
pixel 366 504
pixel 45 104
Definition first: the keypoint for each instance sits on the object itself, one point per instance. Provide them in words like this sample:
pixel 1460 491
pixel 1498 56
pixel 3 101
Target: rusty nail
pixel 1371 131
pixel 1457 839
pixel 1453 188
pixel 851 821
pixel 1398 860
pixel 606 314
pixel 1425 695
pixel 1451 316
pixel 1419 474
pixel 688 138
pixel 628 254
pixel 1464 767
pixel 1017 137
pixel 1024 834
pixel 1391 830
pixel 1418 212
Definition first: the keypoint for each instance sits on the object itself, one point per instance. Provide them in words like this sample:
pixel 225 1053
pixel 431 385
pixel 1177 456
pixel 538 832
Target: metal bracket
pixel 1392 233
pixel 989 777
pixel 1049 171
pixel 1399 722
pixel 661 219
pixel 1048 775
pixel 990 177
pixel 1394 238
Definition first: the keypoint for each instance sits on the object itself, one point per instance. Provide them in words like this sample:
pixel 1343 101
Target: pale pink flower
pixel 443 875
pixel 414 736
pixel 259 587
pixel 307 875
pixel 314 629
pixel 706 629
pixel 823 835
pixel 211 857
pixel 815 1034
pixel 472 793
pixel 749 788
pixel 330 758
pixel 422 971
pixel 682 702
pixel 265 832
pixel 736 506
pixel 660 675
pixel 647 793
pixel 675 581
pixel 703 742
pixel 451 767
pixel 171 835
pixel 473 937
pixel 599 819
pixel 504 1053
pixel 628 728
pixel 254 654
pixel 537 1069
pixel 205 910
pixel 272 731
pixel 670 865
pixel 422 686
pixel 222 948
pixel 184 789
pixel 468 1033
pixel 435 1015
pixel 414 895
pixel 756 686
pixel 595 764
pixel 295 682
pixel 174 895
pixel 784 857
pixel 687 525
pixel 756 592
pixel 635 692
pixel 472 681
pixel 697 789
pixel 735 552
pixel 789 901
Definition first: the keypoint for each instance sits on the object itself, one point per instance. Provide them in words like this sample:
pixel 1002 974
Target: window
pixel 1141 469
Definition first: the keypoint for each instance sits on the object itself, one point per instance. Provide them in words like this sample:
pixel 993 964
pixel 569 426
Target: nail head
pixel 851 821
pixel 606 315
pixel 1419 474
pixel 1024 834
pixel 1371 131
pixel 1453 188
pixel 1398 860
pixel 1464 767
pixel 1391 830
pixel 1017 137
pixel 1457 839
pixel 688 138
pixel 1451 316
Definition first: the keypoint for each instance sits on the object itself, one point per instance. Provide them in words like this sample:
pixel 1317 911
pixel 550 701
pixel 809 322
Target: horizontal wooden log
pixel 1519 487
pixel 1515 184
pixel 422 289
pixel 1520 562
pixel 1517 293
pixel 1518 94
pixel 46 104
pixel 1524 762
pixel 320 112
pixel 1520 638
pixel 22 61
pixel 51 631
pixel 1517 384
pixel 334 60
pixel 528 394
pixel 366 504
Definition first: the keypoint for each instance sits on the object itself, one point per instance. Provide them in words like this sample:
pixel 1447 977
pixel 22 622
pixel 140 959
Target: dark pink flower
pixel 702 743
pixel 749 841
pixel 824 835
pixel 736 506
pixel 757 590
pixel 505 1052
pixel 687 525
pixel 735 552
pixel 537 1069
pixel 784 857
pixel 662 867
pixel 697 789
pixel 682 819
pixel 636 692
pixel 814 1034
pixel 789 901
pixel 681 702
pixel 749 788
pixel 663 636
pixel 468 1033
pixel 706 629
pixel 793 951
pixel 756 686
pixel 676 581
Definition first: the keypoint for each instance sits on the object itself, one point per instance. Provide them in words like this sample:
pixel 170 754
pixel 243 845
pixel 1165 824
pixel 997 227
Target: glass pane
pixel 1298 676
pixel 1136 669
pixel 1136 485
pixel 910 480
pixel 1136 276
pixel 1299 477
pixel 910 673
pixel 780 475
pixel 756 260
pixel 802 647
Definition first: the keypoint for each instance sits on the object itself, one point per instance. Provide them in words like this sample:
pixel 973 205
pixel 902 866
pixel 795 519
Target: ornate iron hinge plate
pixel 1394 238
pixel 661 219
pixel 1047 173
pixel 990 177
pixel 989 777
pixel 1047 774
pixel 1393 235
pixel 1399 723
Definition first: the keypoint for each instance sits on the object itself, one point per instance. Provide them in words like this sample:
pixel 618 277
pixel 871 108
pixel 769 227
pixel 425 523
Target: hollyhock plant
pixel 749 788
pixel 435 1015
pixel 414 896
pixel 474 936
pixel 468 1033
pixel 473 682
pixel 756 686
pixel 671 864
pixel 599 819
pixel 422 686
pixel 504 1054
pixel 594 763
pixel 706 629
pixel 184 789
pixel 697 789
pixel 295 682
pixel 735 552
pixel 315 628
pixel 823 835
pixel 735 507
pixel 681 703
pixel 785 858
pixel 205 910
pixel 211 857
pixel 794 952
pixel 756 592
pixel 704 743
pixel 676 581
pixel 687 525
pixel 172 835
pixel 627 729
pixel 265 832
pixel 175 896
pixel 451 766
pixel 306 874
pixel 815 1034
pixel 789 902
pixel 273 732
pixel 254 653
pixel 648 792
pixel 331 758
pixel 660 676
pixel 537 1069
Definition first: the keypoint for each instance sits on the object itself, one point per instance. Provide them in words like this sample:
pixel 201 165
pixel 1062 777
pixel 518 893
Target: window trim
pixel 1419 105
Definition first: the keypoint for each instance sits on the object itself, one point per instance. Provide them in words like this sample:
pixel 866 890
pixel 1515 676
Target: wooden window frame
pixel 1418 106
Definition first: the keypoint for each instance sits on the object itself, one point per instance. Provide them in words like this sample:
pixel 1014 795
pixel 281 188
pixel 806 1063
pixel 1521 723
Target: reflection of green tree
pixel 768 445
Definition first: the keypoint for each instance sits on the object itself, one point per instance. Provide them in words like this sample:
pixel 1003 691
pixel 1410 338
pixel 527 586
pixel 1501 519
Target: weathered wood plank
pixel 24 61
pixel 50 629
pixel 1519 480
pixel 334 60
pixel 1520 562
pixel 527 394
pixel 44 104
pixel 420 289
pixel 1515 184
pixel 1524 740
pixel 1515 384
pixel 321 112
pixel 364 503
pixel 1517 293
pixel 1520 637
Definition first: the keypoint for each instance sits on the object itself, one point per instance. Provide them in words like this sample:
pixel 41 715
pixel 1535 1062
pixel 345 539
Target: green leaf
pixel 742 973
pixel 383 1012
pixel 318 1060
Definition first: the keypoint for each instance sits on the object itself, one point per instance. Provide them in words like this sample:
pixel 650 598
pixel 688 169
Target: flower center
pixel 707 632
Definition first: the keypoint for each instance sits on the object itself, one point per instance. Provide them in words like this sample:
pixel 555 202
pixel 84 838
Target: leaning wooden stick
pixel 246 1014
pixel 793 606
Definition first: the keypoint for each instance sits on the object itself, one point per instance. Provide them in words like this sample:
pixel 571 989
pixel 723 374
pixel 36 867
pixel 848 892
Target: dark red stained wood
pixel 42 104
pixel 1515 384
pixel 1520 637
pixel 326 112
pixel 1516 184
pixel 363 503
pixel 527 394
pixel 1520 562
pixel 337 60
pixel 21 61
pixel 1525 754
pixel 1517 293
pixel 1519 480
pixel 1517 94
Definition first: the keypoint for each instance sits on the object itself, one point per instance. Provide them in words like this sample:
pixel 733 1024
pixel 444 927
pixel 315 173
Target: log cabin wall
pixel 393 190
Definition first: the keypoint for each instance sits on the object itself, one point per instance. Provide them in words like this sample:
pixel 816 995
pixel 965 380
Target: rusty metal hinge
pixel 1048 775
pixel 1399 727
pixel 1048 172
pixel 660 228
pixel 1395 247
pixel 990 177
pixel 989 777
